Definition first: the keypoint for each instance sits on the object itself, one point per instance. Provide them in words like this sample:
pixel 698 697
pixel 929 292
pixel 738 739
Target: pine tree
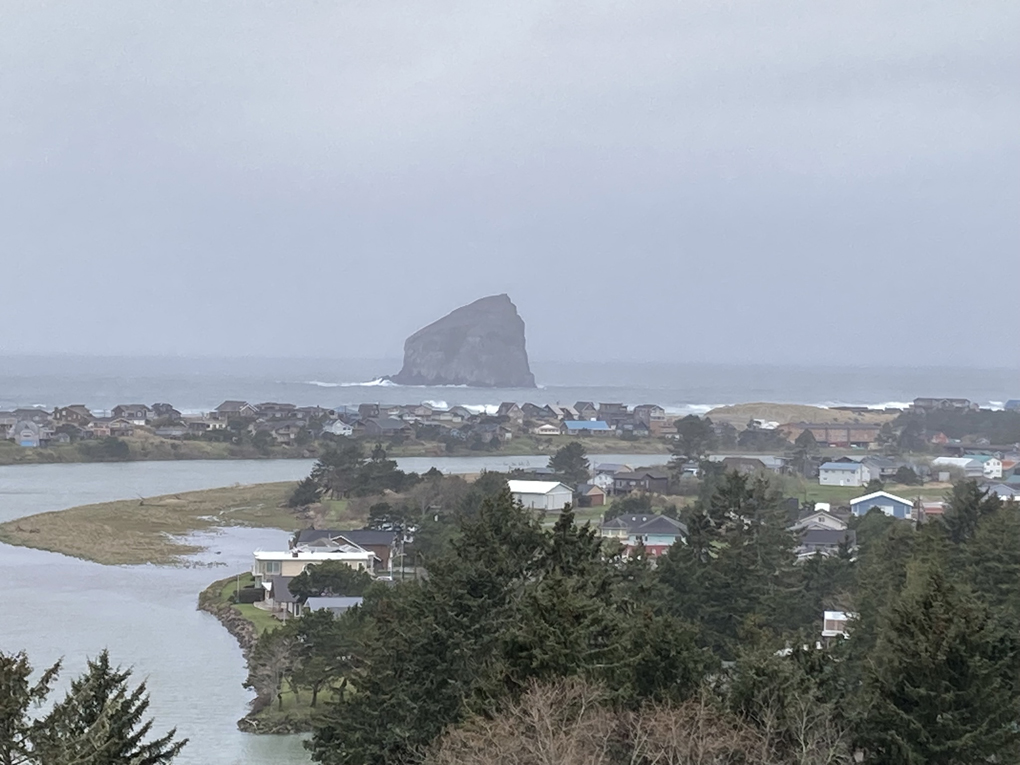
pixel 18 695
pixel 101 722
pixel 738 568
pixel 966 505
pixel 943 684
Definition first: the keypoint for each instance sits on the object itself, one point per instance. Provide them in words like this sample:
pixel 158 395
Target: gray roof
pixel 281 589
pixel 360 537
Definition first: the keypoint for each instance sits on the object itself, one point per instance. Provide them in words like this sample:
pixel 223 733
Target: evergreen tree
pixel 331 577
pixel 966 505
pixel 102 721
pixel 738 566
pixel 943 683
pixel 307 492
pixel 571 462
pixel 18 695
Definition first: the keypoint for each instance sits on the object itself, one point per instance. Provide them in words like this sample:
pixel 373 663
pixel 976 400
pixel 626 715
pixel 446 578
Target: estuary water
pixel 58 607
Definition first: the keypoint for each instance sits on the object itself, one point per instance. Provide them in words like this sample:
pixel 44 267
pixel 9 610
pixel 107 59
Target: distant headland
pixel 481 345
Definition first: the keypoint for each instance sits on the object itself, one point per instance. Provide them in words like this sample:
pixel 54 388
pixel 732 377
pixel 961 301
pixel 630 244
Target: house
pixel 656 532
pixel 234 410
pixel 550 496
pixel 382 544
pixel 935 404
pixel 136 414
pixel 511 411
pixel 743 465
pixel 652 417
pixel 1003 491
pixel 200 425
pixel 165 412
pixel 335 605
pixel 615 414
pixel 76 414
pixel 882 468
pixel 32 414
pixel 285 432
pixel 279 599
pixel 270 563
pixel 843 474
pixel 648 479
pixel 824 542
pixel 274 410
pixel 971 467
pixel 488 432
pixel 991 467
pixel 834 624
pixel 546 429
pixel 769 462
pixel 120 427
pixel 890 504
pixel 564 412
pixel 590 495
pixel 338 428
pixel 604 480
pixel 27 433
pixel 839 435
pixel 819 519
pixel 585 427
pixel 586 410
pixel 386 427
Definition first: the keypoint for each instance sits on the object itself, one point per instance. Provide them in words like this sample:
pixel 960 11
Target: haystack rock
pixel 480 344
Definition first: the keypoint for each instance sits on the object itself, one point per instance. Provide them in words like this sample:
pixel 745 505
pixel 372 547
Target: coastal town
pixel 284 424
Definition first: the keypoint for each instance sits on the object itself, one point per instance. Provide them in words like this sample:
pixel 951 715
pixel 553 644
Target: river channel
pixel 58 607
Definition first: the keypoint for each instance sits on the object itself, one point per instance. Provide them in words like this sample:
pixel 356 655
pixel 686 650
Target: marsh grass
pixel 152 530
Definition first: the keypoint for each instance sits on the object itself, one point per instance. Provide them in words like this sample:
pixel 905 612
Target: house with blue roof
pixel 586 427
pixel 890 504
pixel 844 474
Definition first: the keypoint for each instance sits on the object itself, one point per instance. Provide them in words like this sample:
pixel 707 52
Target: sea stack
pixel 480 344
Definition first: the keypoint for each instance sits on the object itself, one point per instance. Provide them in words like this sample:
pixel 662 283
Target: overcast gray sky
pixel 708 181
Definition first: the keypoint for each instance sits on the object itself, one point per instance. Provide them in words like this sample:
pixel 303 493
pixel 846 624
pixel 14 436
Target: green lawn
pixel 222 591
pixel 811 491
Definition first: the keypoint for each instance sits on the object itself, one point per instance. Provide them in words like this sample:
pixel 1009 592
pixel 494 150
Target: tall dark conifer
pixel 102 721
pixel 942 688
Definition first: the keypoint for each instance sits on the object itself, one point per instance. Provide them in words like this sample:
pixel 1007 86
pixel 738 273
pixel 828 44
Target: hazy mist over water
pixel 200 384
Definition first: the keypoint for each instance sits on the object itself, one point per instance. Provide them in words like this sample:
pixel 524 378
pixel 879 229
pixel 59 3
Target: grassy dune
pixel 149 530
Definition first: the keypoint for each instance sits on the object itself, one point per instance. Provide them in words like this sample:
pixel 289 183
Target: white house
pixel 991 467
pixel 820 520
pixel 843 474
pixel 270 563
pixel 834 624
pixel 338 428
pixel 550 496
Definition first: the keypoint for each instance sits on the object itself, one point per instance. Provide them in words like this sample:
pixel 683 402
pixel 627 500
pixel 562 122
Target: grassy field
pixel 811 491
pixel 149 530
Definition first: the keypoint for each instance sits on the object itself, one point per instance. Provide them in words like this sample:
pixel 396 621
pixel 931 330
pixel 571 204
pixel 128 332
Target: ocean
pixel 200 384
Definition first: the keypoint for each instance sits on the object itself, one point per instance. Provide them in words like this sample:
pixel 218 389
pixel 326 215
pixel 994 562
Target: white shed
pixel 551 496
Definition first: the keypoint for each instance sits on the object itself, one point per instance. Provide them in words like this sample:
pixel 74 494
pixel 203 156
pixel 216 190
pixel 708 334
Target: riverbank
pixel 153 530
pixel 292 712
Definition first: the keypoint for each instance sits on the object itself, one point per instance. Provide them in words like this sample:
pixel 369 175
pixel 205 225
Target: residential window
pixel 271 567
